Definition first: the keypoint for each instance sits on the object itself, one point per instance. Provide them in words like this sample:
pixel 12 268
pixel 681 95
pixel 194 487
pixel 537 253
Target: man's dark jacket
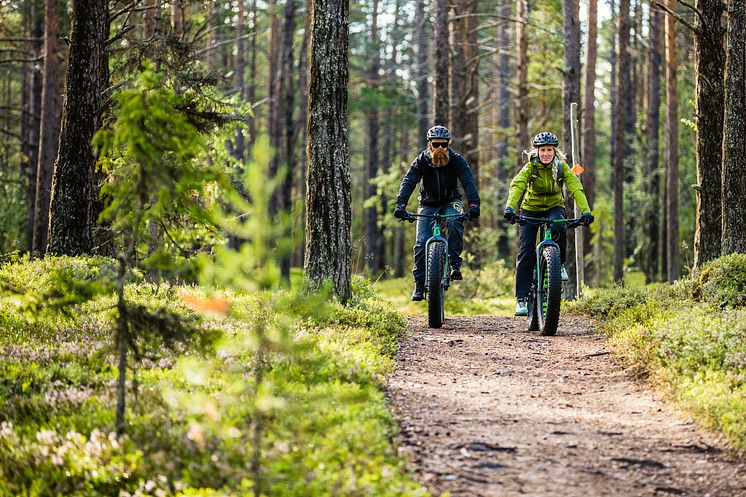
pixel 439 185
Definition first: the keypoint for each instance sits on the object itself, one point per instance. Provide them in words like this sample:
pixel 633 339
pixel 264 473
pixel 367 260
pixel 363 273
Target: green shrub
pixel 722 281
pixel 700 351
pixel 326 427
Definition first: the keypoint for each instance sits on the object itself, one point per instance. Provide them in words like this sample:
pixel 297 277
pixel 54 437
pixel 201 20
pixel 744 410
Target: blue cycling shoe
pixel 521 307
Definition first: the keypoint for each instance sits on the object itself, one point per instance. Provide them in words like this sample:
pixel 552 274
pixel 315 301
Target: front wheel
pixel 549 290
pixel 436 262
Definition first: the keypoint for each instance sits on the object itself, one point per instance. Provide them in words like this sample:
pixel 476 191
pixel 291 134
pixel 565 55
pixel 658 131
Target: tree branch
pixel 124 10
pixel 678 17
pixel 120 35
pixel 694 9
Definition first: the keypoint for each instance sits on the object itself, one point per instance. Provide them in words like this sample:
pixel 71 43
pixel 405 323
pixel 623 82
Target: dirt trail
pixel 489 409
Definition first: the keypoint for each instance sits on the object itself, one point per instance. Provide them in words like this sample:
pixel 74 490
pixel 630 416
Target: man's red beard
pixel 440 156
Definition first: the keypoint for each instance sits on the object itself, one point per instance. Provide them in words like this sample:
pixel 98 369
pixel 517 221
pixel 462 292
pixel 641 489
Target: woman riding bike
pixel 539 186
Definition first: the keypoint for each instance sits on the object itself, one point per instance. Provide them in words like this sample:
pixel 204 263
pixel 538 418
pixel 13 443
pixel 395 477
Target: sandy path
pixel 489 409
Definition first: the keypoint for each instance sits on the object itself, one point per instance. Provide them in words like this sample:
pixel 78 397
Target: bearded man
pixel 439 169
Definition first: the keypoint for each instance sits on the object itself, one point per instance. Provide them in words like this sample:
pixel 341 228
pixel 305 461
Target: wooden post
pixel 579 270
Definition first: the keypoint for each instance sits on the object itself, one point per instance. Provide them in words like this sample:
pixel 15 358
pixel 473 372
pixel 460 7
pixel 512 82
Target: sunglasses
pixel 439 144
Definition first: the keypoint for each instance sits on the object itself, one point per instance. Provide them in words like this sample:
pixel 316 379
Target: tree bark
pixel 441 48
pixel 371 137
pixel 240 67
pixel 423 96
pixel 622 95
pixel 71 223
pixel 671 153
pixel 178 18
pixel 399 243
pixel 50 126
pixel 734 139
pixel 652 159
pixel 273 97
pixel 287 93
pixel 458 75
pixel 570 94
pixel 522 110
pixel 389 137
pixel 212 26
pixel 709 65
pixel 31 138
pixel 251 87
pixel 302 120
pixel 588 123
pixel 328 220
pixel 503 163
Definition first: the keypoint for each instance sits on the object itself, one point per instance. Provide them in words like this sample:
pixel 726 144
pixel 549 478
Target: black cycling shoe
pixel 419 292
pixel 456 274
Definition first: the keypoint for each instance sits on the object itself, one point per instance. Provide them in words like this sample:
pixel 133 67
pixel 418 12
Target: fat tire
pixel 550 267
pixel 436 261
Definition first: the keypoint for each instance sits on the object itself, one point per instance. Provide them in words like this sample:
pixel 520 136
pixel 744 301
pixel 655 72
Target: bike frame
pixel 545 224
pixel 436 238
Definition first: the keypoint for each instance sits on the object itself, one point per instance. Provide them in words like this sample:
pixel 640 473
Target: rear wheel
pixel 436 261
pixel 549 290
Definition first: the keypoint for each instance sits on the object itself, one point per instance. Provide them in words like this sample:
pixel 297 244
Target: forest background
pixel 495 72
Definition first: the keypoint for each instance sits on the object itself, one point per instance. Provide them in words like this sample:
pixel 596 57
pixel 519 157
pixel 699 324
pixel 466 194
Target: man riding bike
pixel 439 168
pixel 541 180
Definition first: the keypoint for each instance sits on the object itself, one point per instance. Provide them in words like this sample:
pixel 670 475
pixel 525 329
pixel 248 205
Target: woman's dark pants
pixel 526 260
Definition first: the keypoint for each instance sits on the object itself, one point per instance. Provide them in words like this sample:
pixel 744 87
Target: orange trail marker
pixel 577 169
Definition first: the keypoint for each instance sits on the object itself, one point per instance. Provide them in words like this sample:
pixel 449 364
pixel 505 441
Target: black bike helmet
pixel 438 131
pixel 545 138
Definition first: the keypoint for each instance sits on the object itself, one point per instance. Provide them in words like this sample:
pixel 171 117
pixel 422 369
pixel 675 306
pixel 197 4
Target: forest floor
pixel 487 408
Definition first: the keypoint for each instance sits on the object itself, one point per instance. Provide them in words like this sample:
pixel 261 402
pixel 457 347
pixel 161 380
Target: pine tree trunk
pixel 287 85
pixel 652 159
pixel 389 146
pixel 671 153
pixel 273 97
pixel 734 139
pixel 178 18
pixel 302 120
pixel 150 19
pixel 503 167
pixel 371 137
pixel 457 76
pixel 423 94
pixel 622 95
pixel 404 153
pixel 570 94
pixel 612 90
pixel 73 191
pixel 588 125
pixel 441 99
pixel 522 103
pixel 33 107
pixel 212 40
pixel 251 87
pixel 240 67
pixel 328 220
pixel 709 65
pixel 471 105
pixel 50 126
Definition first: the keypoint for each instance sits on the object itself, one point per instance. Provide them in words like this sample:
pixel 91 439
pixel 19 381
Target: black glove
pixel 473 212
pixel 509 215
pixel 587 219
pixel 400 212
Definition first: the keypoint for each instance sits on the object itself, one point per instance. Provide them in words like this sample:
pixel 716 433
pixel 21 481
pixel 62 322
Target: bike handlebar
pixel 571 223
pixel 411 217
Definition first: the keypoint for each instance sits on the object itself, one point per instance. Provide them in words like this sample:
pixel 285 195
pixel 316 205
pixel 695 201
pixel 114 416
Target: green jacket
pixel 546 191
